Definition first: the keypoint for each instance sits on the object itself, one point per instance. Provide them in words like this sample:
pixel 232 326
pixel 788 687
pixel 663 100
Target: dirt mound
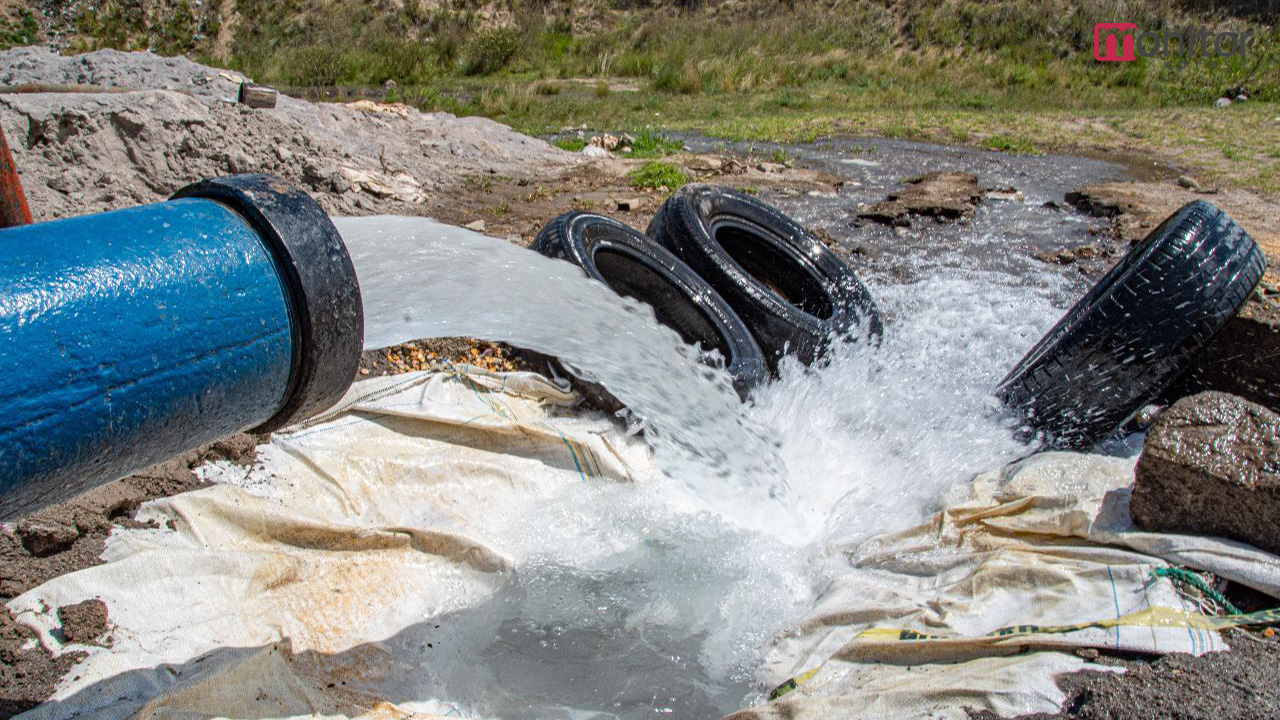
pixel 150 125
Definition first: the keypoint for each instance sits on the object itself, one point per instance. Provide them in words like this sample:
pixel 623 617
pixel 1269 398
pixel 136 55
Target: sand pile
pixel 149 125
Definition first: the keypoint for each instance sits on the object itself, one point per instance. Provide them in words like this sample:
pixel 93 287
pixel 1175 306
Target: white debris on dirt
pixel 150 124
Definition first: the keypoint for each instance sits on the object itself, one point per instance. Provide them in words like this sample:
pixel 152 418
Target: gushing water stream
pixel 635 600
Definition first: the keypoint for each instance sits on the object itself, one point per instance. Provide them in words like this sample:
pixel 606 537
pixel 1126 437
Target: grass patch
pixel 572 144
pixel 649 144
pixel 1005 143
pixel 657 174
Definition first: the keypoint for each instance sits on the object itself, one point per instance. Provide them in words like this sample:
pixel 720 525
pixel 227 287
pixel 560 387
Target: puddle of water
pixel 655 599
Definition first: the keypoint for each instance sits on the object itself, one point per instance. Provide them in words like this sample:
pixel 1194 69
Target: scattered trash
pixel 256 96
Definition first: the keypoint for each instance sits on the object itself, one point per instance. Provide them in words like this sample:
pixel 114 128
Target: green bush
pixel 315 65
pixel 21 30
pixel 490 51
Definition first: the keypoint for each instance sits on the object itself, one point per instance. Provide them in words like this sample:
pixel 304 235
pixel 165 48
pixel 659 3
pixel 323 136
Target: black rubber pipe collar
pixel 324 293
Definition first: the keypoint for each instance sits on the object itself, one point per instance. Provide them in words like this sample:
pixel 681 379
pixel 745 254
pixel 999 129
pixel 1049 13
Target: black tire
pixel 1136 329
pixel 634 266
pixel 793 292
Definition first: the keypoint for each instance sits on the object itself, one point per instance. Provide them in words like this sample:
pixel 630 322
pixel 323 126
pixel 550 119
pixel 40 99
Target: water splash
pixel 636 600
pixel 422 279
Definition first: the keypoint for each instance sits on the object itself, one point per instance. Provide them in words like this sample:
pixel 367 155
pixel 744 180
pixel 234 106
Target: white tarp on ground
pixel 299 593
pixel 1043 550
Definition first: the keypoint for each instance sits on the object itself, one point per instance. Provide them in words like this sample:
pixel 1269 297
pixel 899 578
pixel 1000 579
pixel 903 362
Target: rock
pixel 1005 195
pixel 706 165
pixel 1188 182
pixel 628 204
pixel 1241 98
pixel 389 84
pixel 771 167
pixel 1211 466
pixel 595 151
pixel 1067 256
pixel 476 225
pixel 824 194
pixel 1222 103
pixel 83 622
pixel 1085 202
pixel 943 196
pixel 1241 358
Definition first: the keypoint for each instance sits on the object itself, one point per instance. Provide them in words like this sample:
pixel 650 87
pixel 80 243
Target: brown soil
pixel 1242 684
pixel 517 208
pixel 84 622
pixel 1140 205
pixel 71 536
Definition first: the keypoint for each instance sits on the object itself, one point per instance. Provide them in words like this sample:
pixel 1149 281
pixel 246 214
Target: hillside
pixel 898 49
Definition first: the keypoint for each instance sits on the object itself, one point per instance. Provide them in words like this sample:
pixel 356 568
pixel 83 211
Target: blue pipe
pixel 136 335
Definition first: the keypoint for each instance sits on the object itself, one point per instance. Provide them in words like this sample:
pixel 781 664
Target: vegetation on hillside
pixel 983 71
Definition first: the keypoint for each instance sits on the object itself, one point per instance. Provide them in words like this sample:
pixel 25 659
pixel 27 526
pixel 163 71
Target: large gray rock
pixel 1211 466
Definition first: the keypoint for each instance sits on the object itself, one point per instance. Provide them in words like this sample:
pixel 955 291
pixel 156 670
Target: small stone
pixel 1241 98
pixel 1222 102
pixel 771 167
pixel 706 165
pixel 1005 195
pixel 1087 653
pixel 283 153
pixel 475 225
pixel 1188 182
pixel 1056 257
pixel 1210 465
pixel 1087 252
pixel 340 183
pixel 825 194
pixel 628 204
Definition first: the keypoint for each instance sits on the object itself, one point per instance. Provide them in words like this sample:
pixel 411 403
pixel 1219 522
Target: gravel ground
pixel 1241 684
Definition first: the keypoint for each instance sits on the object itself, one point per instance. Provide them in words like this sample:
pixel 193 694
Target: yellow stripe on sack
pixel 793 683
pixel 1149 617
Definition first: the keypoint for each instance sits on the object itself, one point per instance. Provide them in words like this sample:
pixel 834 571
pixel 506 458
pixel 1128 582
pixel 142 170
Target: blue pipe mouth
pixel 323 290
pixel 140 334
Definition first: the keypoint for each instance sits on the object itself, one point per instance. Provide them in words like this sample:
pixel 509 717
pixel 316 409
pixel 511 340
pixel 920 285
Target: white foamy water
pixel 631 601
pixel 421 279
